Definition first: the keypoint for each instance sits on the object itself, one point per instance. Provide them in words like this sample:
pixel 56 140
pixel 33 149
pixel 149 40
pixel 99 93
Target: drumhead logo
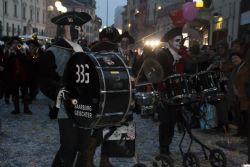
pixel 83 111
pixel 108 61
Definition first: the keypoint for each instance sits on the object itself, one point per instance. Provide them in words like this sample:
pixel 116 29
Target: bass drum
pixel 101 87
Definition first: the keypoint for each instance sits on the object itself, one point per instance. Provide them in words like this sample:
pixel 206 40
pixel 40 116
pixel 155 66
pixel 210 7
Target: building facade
pixel 218 20
pixel 20 17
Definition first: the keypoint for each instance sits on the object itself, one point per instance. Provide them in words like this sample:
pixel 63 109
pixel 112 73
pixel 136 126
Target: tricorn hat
pixel 104 46
pixel 71 18
pixel 126 35
pixel 109 32
pixel 171 34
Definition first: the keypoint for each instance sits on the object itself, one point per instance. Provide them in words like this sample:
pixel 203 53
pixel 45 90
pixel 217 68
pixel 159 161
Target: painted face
pixel 175 43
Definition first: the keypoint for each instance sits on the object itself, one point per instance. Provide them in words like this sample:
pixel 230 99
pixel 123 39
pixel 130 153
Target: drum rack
pixel 217 157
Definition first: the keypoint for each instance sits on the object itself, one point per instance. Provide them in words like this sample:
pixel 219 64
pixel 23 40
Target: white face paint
pixel 175 43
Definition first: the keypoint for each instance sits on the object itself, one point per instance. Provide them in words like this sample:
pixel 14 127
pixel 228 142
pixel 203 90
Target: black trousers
pixel 168 116
pixel 74 144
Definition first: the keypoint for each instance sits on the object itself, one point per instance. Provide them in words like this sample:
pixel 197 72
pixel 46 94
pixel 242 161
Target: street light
pixel 58 4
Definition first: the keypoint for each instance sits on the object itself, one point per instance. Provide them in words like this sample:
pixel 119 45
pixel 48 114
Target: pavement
pixel 33 140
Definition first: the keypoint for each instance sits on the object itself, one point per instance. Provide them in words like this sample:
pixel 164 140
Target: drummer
pixel 73 140
pixel 172 63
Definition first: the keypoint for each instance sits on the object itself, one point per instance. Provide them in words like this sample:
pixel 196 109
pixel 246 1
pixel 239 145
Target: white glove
pixel 61 96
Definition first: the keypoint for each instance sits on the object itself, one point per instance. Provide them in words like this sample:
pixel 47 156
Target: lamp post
pixel 58 8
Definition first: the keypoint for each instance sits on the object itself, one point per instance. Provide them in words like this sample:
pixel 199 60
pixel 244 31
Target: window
pixel 24 30
pixel 7 29
pixel 15 10
pixel 31 14
pixel 24 12
pixel 43 17
pixel 13 29
pixel 5 7
pixel 18 30
pixel 37 15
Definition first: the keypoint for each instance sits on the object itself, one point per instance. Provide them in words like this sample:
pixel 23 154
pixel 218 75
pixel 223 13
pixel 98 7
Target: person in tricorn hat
pixel 125 40
pixel 74 141
pixel 172 63
pixel 17 74
pixel 106 41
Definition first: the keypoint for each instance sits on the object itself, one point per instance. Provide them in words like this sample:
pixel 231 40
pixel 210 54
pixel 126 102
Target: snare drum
pixel 145 102
pixel 179 89
pixel 208 83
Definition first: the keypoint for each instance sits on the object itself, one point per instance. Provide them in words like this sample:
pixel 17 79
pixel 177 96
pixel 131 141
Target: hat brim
pixel 71 18
pixel 104 46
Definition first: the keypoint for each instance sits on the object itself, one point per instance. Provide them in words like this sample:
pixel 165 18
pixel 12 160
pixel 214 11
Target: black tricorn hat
pixel 71 18
pixel 15 38
pixel 104 46
pixel 171 34
pixel 126 35
pixel 109 32
pixel 34 42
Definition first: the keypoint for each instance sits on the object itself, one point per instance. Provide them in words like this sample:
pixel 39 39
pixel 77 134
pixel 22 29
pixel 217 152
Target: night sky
pixel 101 9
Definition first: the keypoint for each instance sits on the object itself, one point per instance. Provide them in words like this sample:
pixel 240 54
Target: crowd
pixel 25 70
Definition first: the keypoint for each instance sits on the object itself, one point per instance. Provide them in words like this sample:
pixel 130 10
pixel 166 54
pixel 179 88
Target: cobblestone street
pixel 32 140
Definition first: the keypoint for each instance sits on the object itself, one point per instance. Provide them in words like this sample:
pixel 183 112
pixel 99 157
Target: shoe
pixel 28 112
pixel 15 112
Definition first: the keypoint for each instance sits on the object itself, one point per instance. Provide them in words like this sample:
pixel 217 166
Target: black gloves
pixel 53 112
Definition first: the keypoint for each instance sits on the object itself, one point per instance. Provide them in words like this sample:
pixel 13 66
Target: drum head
pixel 82 81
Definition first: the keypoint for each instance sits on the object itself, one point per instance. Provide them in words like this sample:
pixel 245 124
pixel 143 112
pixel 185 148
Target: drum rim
pixel 177 75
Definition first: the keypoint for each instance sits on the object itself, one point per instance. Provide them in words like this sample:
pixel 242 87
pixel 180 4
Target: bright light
pixel 137 11
pixel 60 8
pixel 220 19
pixel 199 3
pixel 152 43
pixel 64 9
pixel 100 30
pixel 159 7
pixel 201 28
pixel 119 30
pixel 50 8
pixel 129 25
pixel 58 4
pixel 186 43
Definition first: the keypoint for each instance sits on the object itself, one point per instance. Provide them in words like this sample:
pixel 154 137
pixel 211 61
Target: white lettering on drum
pixel 82 110
pixel 81 113
pixel 82 75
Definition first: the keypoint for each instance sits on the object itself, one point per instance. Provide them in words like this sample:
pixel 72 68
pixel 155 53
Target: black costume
pixel 74 140
pixel 168 115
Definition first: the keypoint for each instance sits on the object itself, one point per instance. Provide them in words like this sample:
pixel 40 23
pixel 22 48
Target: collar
pixel 76 47
pixel 175 55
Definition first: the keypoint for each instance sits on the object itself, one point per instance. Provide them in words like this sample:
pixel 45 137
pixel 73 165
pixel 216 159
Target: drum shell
pixel 145 102
pixel 179 89
pixel 108 91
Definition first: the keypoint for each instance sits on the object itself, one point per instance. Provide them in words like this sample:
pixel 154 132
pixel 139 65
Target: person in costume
pixel 172 63
pixel 73 140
